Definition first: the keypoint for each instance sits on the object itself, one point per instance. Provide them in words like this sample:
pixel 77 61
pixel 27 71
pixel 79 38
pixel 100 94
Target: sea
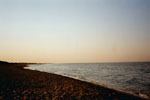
pixel 129 77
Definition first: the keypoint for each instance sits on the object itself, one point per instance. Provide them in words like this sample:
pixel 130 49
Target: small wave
pixel 131 81
pixel 75 76
pixel 146 71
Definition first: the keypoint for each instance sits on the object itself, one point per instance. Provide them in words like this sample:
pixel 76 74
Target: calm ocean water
pixel 130 77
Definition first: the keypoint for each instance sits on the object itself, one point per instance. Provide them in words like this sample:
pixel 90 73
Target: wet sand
pixel 17 83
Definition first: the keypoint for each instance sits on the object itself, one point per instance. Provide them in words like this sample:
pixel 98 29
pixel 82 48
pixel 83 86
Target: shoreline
pixel 93 83
pixel 20 83
pixel 85 80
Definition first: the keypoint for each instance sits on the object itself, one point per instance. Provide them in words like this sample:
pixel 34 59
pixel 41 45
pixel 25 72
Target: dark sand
pixel 17 83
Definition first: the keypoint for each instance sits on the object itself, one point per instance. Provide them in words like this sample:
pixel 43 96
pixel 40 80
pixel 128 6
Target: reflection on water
pixel 131 77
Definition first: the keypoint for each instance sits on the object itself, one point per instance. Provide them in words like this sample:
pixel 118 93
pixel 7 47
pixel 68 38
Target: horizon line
pixel 76 62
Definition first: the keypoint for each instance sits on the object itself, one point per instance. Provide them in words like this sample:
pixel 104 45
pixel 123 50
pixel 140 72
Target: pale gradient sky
pixel 61 31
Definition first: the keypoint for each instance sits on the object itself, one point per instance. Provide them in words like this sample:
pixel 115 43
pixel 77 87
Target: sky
pixel 70 31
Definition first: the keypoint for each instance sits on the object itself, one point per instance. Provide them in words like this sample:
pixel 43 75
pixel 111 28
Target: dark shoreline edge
pixel 56 87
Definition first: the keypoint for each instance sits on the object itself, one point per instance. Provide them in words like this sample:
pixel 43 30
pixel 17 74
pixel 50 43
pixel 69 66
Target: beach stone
pixel 14 91
pixel 25 97
pixel 45 92
pixel 47 98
